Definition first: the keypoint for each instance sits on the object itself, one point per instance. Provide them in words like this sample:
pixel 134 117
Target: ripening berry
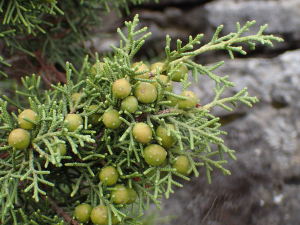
pixel 74 121
pixel 99 215
pixel 154 154
pixel 163 79
pixel 157 64
pixel 29 114
pixel 110 173
pixel 164 163
pixel 142 133
pixel 167 140
pixel 182 165
pixel 145 92
pixel 94 68
pixel 131 195
pixel 19 138
pixel 83 212
pixel 141 68
pixel 173 100
pixel 94 118
pixel 121 194
pixel 76 97
pixel 130 104
pixel 180 73
pixel 62 148
pixel 114 220
pixel 111 119
pixel 121 88
pixel 189 103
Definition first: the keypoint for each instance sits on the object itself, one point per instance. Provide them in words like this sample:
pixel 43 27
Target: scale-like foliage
pixel 56 182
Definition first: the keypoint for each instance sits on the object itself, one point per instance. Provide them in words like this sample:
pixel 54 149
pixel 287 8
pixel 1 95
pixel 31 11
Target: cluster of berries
pixel 20 138
pixel 145 93
pixel 131 95
pixel 120 194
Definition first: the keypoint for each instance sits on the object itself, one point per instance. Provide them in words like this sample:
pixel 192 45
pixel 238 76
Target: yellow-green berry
pixel 29 114
pixel 19 139
pixel 74 121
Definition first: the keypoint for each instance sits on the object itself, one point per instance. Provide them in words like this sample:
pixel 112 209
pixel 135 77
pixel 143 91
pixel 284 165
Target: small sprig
pixel 245 99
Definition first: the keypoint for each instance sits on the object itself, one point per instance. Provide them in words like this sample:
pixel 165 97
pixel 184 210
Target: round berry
pixel 141 68
pixel 164 163
pixel 94 68
pixel 173 100
pixel 83 212
pixel 189 103
pixel 121 88
pixel 130 104
pixel 74 121
pixel 29 114
pixel 99 215
pixel 132 195
pixel 76 97
pixel 145 93
pixel 19 139
pixel 121 194
pixel 114 220
pixel 62 148
pixel 180 73
pixel 182 165
pixel 110 173
pixel 154 154
pixel 167 140
pixel 142 133
pixel 94 118
pixel 157 64
pixel 163 78
pixel 111 119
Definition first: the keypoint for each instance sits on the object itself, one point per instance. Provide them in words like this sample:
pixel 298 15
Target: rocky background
pixel 264 188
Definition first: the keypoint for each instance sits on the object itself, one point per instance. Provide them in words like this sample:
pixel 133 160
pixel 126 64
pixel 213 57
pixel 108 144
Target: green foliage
pixel 51 31
pixel 41 186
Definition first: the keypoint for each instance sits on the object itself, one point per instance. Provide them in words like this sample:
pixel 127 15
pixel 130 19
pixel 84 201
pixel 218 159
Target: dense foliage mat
pixel 114 134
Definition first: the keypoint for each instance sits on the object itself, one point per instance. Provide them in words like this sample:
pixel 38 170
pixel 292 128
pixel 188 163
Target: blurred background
pixel 264 188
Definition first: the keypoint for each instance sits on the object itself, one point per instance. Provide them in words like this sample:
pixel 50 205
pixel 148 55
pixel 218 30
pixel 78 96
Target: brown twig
pixel 164 111
pixel 4 155
pixel 48 69
pixel 60 212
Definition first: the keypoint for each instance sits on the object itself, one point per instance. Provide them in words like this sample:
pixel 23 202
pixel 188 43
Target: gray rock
pixel 264 185
pixel 174 2
pixel 282 16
